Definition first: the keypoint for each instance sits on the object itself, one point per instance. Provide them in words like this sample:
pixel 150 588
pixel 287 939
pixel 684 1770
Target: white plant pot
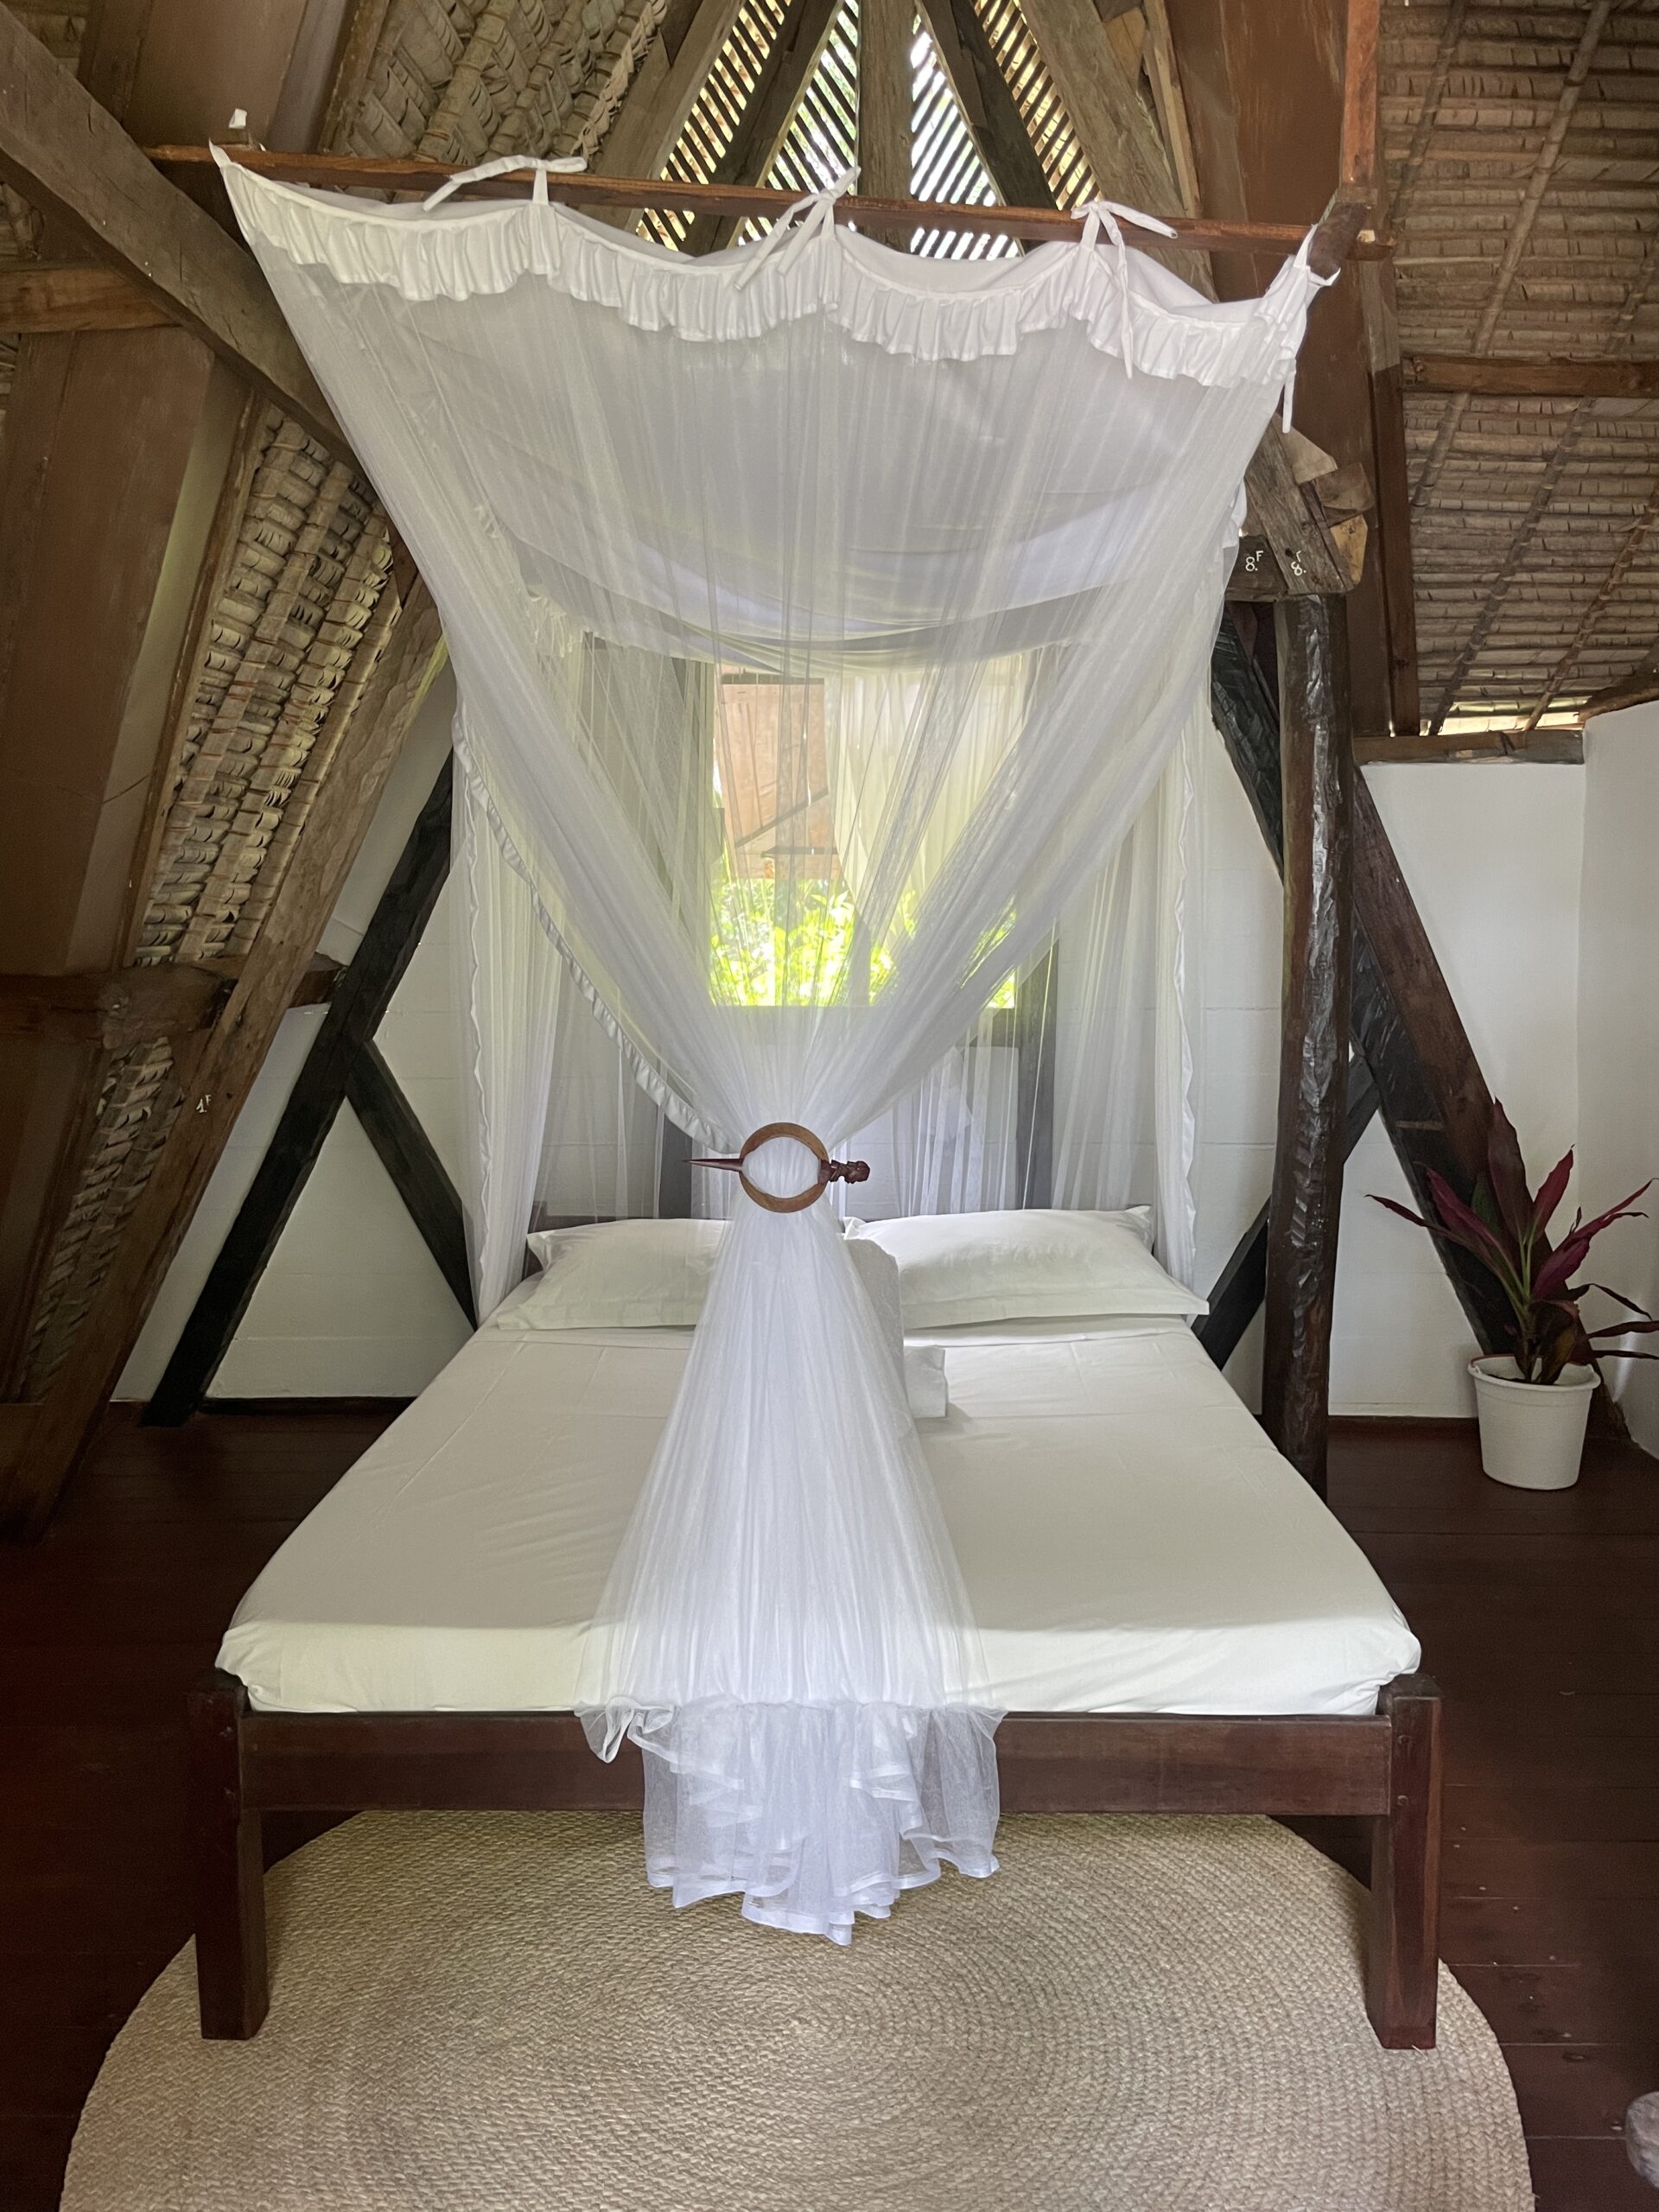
pixel 1531 1433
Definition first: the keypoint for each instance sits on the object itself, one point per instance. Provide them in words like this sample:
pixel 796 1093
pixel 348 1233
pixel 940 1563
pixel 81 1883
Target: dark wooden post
pixel 230 1870
pixel 1036 1024
pixel 1317 774
pixel 1402 1962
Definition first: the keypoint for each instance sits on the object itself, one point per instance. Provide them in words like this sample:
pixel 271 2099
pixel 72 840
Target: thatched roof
pixel 1522 149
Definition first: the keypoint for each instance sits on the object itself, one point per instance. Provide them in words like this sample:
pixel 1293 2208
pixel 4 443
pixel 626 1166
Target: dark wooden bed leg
pixel 1402 1966
pixel 230 1875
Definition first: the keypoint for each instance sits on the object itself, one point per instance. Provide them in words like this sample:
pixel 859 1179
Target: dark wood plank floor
pixel 1537 1613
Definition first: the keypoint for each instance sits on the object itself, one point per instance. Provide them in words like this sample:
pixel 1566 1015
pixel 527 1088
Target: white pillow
pixel 1037 1264
pixel 619 1275
pixel 654 1274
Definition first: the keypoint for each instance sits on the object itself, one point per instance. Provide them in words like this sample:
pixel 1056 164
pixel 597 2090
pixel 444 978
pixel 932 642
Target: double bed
pixel 1171 1617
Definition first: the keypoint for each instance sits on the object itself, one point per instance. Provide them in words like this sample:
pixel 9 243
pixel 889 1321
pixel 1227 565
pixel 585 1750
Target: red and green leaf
pixel 1500 1230
pixel 1508 1173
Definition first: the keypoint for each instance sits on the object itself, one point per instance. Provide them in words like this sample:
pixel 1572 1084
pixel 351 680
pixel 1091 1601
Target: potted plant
pixel 1533 1403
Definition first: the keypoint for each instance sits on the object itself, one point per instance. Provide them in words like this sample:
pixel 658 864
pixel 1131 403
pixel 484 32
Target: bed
pixel 1173 1619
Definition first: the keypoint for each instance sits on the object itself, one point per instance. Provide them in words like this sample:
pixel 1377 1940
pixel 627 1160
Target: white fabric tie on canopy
pixel 824 618
pixel 505 165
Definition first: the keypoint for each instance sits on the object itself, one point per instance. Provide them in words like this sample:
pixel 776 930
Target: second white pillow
pixel 1038 1263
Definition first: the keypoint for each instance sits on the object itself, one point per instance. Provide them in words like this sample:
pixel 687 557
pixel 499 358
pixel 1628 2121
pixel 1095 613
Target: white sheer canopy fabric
pixel 824 620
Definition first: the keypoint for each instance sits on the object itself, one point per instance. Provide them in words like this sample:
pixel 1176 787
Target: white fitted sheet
pixel 1130 1540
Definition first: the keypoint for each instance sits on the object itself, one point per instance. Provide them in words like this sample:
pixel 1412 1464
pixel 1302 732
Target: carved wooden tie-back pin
pixel 830 1170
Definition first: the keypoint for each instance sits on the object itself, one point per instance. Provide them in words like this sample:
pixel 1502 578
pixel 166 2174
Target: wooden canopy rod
pixel 1340 233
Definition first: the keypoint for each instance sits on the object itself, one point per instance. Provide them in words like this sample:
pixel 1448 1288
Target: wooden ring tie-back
pixel 830 1170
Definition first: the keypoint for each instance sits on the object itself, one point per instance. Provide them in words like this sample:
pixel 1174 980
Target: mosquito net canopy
pixel 824 620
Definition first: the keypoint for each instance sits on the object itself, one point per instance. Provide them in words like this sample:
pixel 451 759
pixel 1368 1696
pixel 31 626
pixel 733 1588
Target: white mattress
pixel 1130 1540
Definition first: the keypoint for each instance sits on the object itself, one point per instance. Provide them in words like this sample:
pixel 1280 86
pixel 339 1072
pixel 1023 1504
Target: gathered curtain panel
pixel 823 620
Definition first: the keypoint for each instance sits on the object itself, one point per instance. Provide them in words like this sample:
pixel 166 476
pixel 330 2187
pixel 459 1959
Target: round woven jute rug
pixel 493 2013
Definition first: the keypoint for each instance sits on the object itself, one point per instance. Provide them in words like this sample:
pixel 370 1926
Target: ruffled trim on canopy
pixel 906 303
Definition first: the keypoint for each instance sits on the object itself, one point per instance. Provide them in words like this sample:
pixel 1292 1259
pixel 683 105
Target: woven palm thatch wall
pixel 458 81
pixel 1522 150
pixel 304 561
pixel 304 555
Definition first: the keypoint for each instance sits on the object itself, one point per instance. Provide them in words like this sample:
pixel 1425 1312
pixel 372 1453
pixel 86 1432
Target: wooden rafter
pixel 1164 76
pixel 41 297
pixel 116 1009
pixel 772 98
pixel 999 136
pixel 76 164
pixel 1557 377
pixel 653 110
pixel 886 95
pixel 1639 688
pixel 1116 134
pixel 1428 115
pixel 1379 315
pixel 352 66
pixel 44 1451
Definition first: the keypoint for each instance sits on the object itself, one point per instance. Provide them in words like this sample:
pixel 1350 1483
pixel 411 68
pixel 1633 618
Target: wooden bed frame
pixel 1384 1767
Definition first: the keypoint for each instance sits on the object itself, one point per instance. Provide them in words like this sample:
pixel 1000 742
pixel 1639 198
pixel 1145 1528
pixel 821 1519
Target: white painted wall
pixel 352 1303
pixel 1618 1023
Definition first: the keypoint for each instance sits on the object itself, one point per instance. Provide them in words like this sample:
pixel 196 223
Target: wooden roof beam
pixel 1639 688
pixel 660 97
pixel 765 116
pixel 116 1008
pixel 993 117
pixel 1550 377
pixel 75 163
pixel 885 96
pixel 38 298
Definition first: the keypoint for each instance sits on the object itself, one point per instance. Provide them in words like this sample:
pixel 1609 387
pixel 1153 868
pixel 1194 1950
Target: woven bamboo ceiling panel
pixel 1522 150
